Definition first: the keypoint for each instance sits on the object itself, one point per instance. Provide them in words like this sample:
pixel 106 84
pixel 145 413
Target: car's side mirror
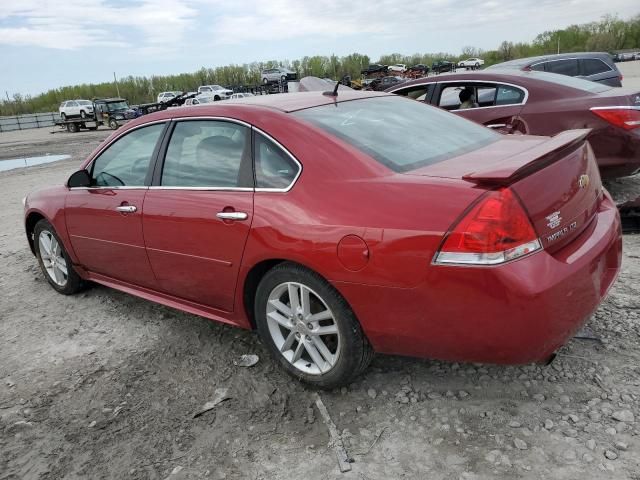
pixel 79 179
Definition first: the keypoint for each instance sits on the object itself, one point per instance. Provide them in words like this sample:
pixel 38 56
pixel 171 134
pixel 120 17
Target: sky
pixel 46 44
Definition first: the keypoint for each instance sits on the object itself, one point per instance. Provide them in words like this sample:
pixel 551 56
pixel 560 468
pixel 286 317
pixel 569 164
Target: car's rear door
pixel 198 213
pixel 104 221
pixel 497 105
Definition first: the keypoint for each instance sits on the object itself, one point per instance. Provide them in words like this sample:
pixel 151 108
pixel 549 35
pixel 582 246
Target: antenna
pixel 334 93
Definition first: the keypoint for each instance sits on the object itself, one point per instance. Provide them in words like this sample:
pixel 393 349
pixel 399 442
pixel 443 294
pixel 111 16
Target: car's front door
pixel 104 220
pixel 495 105
pixel 198 213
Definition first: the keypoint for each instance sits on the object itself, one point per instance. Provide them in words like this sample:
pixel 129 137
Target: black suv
pixel 597 67
pixel 443 66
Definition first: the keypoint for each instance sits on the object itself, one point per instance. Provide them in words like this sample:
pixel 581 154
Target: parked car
pixel 199 100
pixel 597 67
pixel 374 68
pixel 383 83
pixel 540 103
pixel 420 68
pixel 215 91
pixel 474 63
pixel 398 68
pixel 458 243
pixel 113 112
pixel 624 57
pixel 275 75
pixel 441 66
pixel 241 95
pixel 165 96
pixel 76 108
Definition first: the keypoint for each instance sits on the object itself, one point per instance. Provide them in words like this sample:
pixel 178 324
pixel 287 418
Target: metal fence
pixel 24 122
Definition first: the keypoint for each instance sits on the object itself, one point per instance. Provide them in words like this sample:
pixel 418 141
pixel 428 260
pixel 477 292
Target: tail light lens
pixel 623 117
pixel 496 230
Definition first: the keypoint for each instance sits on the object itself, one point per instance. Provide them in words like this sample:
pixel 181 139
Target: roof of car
pixel 289 102
pixel 530 60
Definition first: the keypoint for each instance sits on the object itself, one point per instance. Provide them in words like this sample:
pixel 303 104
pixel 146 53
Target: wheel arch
pixel 257 273
pixel 30 225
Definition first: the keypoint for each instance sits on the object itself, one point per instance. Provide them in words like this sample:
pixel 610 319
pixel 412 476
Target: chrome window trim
pixel 524 100
pixel 107 187
pixel 213 189
pixel 574 58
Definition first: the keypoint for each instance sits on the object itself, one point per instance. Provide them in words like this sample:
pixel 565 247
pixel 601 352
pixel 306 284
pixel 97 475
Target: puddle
pixel 29 161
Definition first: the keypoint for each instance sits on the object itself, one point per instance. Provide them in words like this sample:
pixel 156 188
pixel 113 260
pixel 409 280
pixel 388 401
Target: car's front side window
pixel 126 161
pixel 208 153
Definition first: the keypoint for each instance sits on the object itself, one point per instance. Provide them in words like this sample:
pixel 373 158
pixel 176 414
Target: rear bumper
pixel 516 313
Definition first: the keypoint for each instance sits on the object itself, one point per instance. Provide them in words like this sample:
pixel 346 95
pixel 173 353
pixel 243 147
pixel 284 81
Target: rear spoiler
pixel 507 170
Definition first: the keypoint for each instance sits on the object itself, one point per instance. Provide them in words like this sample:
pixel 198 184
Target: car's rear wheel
pixel 82 114
pixel 54 261
pixel 72 127
pixel 113 124
pixel 63 117
pixel 309 328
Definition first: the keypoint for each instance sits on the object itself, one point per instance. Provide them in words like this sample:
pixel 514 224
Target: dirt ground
pixel 105 385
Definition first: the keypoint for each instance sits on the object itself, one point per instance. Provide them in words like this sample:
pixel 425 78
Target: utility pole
pixel 116 80
pixel 558 44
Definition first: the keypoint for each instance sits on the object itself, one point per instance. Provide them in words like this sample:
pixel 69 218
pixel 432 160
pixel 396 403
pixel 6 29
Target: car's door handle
pixel 496 125
pixel 232 215
pixel 127 208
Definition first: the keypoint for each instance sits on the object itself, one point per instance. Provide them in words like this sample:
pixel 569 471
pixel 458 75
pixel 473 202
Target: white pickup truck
pixel 473 63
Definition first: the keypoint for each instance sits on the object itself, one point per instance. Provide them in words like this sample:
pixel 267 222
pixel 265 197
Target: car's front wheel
pixel 309 328
pixel 54 261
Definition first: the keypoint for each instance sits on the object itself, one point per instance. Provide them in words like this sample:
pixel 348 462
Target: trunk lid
pixel 557 180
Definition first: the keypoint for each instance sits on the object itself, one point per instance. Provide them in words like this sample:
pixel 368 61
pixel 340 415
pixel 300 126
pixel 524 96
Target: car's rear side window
pixel 563 67
pixel 399 133
pixel 274 169
pixel 593 66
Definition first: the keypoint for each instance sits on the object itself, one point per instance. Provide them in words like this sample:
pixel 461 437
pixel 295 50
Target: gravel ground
pixel 105 385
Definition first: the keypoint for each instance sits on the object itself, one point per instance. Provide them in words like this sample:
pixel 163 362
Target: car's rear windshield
pixel 571 82
pixel 401 134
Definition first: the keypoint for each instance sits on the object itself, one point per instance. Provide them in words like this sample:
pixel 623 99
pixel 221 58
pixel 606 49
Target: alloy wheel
pixel 303 328
pixel 52 258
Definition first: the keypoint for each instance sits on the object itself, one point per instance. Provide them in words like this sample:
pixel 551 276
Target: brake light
pixel 623 117
pixel 496 230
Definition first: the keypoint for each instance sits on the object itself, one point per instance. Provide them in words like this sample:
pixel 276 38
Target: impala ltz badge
pixel 554 219
pixel 583 181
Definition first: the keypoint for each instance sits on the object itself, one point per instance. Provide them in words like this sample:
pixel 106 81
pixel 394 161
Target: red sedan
pixel 340 226
pixel 540 103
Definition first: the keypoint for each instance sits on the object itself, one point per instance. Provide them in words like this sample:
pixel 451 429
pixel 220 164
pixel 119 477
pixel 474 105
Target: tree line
pixel 609 34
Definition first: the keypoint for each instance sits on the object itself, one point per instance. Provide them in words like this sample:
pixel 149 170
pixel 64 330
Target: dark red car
pixel 540 103
pixel 341 226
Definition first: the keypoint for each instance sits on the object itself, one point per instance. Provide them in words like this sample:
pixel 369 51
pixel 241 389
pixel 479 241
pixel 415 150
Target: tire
pixel 72 127
pixel 216 98
pixel 346 353
pixel 113 125
pixel 63 117
pixel 477 66
pixel 82 114
pixel 67 284
pixel 265 81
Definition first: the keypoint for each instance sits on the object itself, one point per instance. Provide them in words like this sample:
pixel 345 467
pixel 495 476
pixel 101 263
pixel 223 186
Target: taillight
pixel 623 117
pixel 496 230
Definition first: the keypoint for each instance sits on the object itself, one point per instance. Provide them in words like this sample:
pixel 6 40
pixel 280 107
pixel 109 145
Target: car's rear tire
pixel 63 117
pixel 316 337
pixel 72 127
pixel 113 124
pixel 82 114
pixel 54 261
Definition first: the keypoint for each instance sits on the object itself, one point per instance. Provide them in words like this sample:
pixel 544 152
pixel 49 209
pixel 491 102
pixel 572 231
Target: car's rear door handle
pixel 232 215
pixel 127 208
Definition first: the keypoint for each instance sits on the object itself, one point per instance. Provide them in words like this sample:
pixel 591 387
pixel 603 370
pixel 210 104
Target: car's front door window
pixel 125 162
pixel 208 153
